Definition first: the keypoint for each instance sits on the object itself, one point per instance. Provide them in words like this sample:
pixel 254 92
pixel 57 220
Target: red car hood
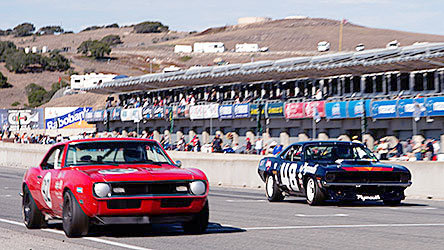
pixel 137 173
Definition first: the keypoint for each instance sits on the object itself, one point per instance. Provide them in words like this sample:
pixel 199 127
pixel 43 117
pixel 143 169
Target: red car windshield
pixel 115 152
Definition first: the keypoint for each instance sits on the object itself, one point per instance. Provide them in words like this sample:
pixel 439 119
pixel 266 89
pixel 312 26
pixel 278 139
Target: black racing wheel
pixel 75 221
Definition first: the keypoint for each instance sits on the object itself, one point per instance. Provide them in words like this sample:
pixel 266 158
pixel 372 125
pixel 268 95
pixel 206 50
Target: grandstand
pixel 386 82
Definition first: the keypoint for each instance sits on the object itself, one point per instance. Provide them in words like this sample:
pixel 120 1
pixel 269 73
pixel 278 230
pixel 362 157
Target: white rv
pixel 210 47
pixel 89 80
pixel 247 47
pixel 183 49
pixel 323 46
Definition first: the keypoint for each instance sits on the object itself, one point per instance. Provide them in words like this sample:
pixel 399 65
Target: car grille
pixel 148 188
pixel 366 177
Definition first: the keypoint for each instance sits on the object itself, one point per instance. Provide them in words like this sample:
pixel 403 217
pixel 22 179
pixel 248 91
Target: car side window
pixel 293 153
pixel 54 159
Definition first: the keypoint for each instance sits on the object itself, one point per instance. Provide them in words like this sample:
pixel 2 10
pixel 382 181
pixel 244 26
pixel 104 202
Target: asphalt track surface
pixel 243 219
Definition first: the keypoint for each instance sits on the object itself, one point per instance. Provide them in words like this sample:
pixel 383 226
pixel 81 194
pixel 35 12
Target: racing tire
pixel 199 223
pixel 75 221
pixel 392 202
pixel 313 193
pixel 272 190
pixel 32 216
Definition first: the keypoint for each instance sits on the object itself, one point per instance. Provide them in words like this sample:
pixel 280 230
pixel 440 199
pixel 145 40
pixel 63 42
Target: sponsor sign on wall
pixel 275 109
pixel 147 112
pixel 309 106
pixel 115 114
pixel 254 109
pixel 435 106
pixel 66 117
pixel 336 110
pixel 241 110
pixel 406 107
pixel 158 112
pixel 384 109
pixel 226 111
pixel 133 114
pixel 181 111
pixel 204 111
pixel 294 110
pixel 15 119
pixel 355 109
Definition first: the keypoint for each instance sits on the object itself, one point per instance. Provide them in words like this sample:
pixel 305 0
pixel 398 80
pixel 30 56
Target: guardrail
pixel 236 170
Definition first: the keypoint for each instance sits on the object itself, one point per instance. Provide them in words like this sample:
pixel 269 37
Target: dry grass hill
pixel 285 38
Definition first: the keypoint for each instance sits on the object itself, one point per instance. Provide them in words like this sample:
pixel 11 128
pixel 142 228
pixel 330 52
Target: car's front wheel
pixel 313 193
pixel 199 223
pixel 272 190
pixel 75 221
pixel 32 216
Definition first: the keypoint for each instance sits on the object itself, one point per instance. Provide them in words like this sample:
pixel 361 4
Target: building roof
pixel 419 56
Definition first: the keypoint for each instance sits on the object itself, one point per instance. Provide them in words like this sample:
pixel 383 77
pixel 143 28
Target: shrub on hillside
pixel 94 48
pixel 24 29
pixel 18 62
pixel 111 40
pixel 4 82
pixel 150 27
pixel 5 48
pixel 50 30
pixel 37 95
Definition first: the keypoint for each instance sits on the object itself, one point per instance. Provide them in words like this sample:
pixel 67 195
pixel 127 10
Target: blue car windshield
pixel 336 152
pixel 115 152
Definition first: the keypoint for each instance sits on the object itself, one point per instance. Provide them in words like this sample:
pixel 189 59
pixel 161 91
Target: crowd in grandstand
pixel 407 150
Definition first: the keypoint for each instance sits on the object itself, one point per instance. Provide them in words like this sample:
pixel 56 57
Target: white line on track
pixel 246 201
pixel 346 226
pixel 321 215
pixel 107 242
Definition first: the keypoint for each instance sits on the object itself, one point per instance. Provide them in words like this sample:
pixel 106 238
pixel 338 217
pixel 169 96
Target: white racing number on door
pixel 46 192
pixel 288 176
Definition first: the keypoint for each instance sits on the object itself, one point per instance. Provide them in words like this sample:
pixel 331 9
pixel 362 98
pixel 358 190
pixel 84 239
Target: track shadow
pixel 149 230
pixel 358 203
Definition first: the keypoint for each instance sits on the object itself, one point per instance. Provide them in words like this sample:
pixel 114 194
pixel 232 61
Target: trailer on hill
pixel 209 47
pixel 247 47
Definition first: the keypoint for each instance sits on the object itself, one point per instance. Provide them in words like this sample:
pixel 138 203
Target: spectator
pixel 216 145
pixel 258 146
pixel 248 146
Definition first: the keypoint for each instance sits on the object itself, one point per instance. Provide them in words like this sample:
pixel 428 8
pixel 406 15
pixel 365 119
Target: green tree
pixel 150 27
pixel 94 48
pixel 24 29
pixel 5 48
pixel 37 95
pixel 50 30
pixel 111 40
pixel 4 82
pixel 57 62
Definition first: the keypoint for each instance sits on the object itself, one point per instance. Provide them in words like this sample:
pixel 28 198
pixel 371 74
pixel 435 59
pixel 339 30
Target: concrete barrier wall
pixel 236 170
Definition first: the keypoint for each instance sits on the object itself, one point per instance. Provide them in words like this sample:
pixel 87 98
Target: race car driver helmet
pixel 133 154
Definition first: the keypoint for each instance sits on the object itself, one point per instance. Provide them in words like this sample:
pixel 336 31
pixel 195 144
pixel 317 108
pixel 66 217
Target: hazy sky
pixel 187 15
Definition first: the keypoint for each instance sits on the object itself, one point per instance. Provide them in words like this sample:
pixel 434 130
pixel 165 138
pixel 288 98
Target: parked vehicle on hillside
pixel 113 181
pixel 332 170
pixel 323 46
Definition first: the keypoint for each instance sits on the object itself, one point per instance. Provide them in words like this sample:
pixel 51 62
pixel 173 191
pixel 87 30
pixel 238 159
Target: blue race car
pixel 332 170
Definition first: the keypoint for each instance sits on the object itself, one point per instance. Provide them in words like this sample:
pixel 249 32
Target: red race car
pixel 113 181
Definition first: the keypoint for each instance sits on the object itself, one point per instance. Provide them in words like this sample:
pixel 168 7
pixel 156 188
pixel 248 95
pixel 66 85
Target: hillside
pixel 285 38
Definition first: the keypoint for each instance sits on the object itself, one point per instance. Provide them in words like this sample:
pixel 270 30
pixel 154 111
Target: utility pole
pixel 341 30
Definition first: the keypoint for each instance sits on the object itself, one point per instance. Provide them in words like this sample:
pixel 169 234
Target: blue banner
pixel 115 114
pixel 275 109
pixel 226 111
pixel 241 110
pixel 406 107
pixel 355 109
pixel 336 110
pixel 147 112
pixel 384 109
pixel 158 112
pixel 435 106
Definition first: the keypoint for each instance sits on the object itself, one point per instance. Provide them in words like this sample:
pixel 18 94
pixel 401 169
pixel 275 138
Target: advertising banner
pixel 100 115
pixel 66 117
pixel 275 109
pixel 133 114
pixel 226 111
pixel 336 110
pixel 204 111
pixel 254 109
pixel 241 110
pixel 294 110
pixel 308 108
pixel 384 109
pixel 406 107
pixel 355 109
pixel 158 112
pixel 22 119
pixel 435 106
pixel 89 116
